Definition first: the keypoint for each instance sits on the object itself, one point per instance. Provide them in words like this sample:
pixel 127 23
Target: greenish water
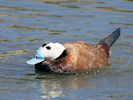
pixel 26 24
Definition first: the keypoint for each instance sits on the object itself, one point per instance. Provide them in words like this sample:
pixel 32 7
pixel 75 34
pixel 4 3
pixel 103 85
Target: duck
pixel 74 57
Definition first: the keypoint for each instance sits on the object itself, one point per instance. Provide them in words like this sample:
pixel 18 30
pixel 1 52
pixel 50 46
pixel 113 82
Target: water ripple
pixel 7 7
pixel 11 53
pixel 121 23
pixel 113 9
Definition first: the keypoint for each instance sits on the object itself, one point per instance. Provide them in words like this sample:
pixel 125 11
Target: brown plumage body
pixel 80 57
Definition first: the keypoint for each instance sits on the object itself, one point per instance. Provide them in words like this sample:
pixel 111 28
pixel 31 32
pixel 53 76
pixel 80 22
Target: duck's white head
pixel 52 50
pixel 49 51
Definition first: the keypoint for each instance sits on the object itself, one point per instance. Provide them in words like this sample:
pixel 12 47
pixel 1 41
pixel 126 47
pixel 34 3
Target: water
pixel 26 24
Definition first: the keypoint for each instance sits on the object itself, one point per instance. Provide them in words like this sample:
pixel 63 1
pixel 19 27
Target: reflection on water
pixel 55 86
pixel 50 89
pixel 26 24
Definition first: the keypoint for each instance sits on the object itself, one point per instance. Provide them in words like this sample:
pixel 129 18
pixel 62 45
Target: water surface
pixel 26 24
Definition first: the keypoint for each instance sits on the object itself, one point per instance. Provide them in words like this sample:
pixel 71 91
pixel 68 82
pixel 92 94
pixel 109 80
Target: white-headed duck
pixel 74 57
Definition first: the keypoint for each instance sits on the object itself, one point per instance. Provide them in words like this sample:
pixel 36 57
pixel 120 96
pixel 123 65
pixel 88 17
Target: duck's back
pixel 91 57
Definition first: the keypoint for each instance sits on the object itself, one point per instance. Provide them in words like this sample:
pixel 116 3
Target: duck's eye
pixel 48 47
pixel 44 44
pixel 36 56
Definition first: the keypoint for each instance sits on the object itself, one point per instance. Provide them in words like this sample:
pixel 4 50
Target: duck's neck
pixel 64 54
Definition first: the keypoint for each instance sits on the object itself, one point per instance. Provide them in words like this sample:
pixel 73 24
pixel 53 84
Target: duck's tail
pixel 110 39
